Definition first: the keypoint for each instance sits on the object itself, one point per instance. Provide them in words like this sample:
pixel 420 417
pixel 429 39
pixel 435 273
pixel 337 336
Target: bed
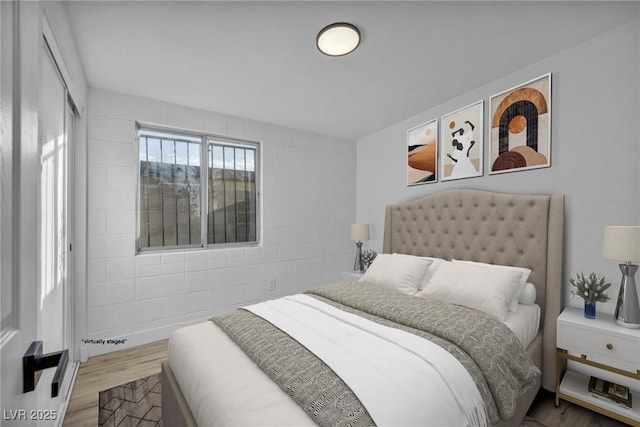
pixel 485 227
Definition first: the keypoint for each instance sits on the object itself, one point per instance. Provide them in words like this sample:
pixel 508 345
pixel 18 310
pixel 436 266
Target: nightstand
pixel 601 344
pixel 351 275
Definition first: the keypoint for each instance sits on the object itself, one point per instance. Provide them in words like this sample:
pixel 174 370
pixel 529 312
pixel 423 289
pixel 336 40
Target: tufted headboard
pixel 497 228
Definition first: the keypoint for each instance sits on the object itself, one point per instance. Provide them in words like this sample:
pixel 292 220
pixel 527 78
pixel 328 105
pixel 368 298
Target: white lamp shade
pixel 621 243
pixel 359 232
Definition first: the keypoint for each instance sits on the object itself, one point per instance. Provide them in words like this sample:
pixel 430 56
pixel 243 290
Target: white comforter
pixel 416 382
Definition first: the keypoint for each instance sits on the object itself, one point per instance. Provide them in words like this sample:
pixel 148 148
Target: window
pixel 181 206
pixel 231 190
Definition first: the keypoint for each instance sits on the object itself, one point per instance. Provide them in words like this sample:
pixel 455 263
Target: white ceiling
pixel 258 59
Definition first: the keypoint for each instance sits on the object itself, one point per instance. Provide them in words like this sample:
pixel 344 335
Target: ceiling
pixel 258 60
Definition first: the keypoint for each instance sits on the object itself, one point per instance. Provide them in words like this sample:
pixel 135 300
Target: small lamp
pixel 359 233
pixel 622 243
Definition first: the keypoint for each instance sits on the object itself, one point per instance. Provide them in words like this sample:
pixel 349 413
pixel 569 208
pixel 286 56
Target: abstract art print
pixel 462 143
pixel 422 155
pixel 521 127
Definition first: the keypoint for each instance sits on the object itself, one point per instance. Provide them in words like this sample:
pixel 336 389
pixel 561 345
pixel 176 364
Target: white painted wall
pixel 308 192
pixel 595 150
pixel 58 18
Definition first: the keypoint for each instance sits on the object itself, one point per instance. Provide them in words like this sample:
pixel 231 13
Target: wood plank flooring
pixel 109 370
pixel 106 371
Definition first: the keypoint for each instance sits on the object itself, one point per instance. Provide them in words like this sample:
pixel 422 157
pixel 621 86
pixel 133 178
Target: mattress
pixel 223 386
pixel 525 323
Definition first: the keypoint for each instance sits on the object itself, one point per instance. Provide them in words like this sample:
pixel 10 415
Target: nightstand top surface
pixel 604 322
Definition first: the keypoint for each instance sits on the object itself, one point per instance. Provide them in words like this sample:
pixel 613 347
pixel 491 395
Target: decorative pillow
pixel 402 273
pixel 435 262
pixel 485 289
pixel 513 304
pixel 528 295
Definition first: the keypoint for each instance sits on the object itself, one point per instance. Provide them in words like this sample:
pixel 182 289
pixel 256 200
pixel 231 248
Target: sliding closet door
pixel 53 223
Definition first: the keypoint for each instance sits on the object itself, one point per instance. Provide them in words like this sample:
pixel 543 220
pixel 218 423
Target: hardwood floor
pixel 106 371
pixel 109 370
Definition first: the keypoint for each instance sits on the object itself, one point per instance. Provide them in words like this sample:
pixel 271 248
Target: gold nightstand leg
pixel 561 364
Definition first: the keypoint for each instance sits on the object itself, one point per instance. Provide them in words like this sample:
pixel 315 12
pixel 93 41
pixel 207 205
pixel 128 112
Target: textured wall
pixel 595 150
pixel 308 192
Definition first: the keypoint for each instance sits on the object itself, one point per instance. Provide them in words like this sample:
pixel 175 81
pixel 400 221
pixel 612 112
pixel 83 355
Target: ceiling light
pixel 338 39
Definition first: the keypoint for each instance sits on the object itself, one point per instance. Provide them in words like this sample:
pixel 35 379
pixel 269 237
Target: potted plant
pixel 591 289
pixel 367 258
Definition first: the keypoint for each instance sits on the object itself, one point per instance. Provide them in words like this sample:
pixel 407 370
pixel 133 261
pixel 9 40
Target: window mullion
pixel 146 190
pixel 245 194
pixel 175 188
pixel 210 212
pixel 235 195
pixel 187 185
pixel 224 189
pixel 161 184
pixel 204 184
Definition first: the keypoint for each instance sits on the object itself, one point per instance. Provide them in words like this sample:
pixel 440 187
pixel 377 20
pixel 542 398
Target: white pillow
pixel 402 273
pixel 485 289
pixel 528 295
pixel 513 304
pixel 435 262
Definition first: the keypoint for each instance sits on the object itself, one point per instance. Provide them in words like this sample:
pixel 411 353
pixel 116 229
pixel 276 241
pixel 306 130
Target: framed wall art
pixel 521 127
pixel 462 143
pixel 422 153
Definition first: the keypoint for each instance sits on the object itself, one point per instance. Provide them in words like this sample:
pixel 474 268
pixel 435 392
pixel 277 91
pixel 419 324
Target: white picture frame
pixel 462 143
pixel 520 127
pixel 422 153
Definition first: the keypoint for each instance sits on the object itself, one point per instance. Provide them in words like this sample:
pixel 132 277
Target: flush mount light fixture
pixel 338 39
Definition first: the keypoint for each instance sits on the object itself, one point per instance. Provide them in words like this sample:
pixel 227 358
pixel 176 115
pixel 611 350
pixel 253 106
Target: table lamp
pixel 359 233
pixel 622 243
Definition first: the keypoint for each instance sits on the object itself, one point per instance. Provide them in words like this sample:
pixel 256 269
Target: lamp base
pixel 627 325
pixel 357 265
pixel 628 307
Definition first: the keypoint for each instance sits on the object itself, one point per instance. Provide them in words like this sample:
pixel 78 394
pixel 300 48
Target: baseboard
pixel 137 338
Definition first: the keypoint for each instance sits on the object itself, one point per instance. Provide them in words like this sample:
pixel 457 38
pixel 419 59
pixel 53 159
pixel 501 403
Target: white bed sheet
pixel 525 323
pixel 225 388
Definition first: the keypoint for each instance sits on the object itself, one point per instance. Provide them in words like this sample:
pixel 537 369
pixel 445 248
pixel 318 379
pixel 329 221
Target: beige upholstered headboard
pixel 497 228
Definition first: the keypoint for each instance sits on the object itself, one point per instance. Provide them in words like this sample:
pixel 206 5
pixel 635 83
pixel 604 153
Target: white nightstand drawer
pixel 600 339
pixel 594 344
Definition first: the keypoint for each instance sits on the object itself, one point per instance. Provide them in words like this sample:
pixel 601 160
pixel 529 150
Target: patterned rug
pixel 136 403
